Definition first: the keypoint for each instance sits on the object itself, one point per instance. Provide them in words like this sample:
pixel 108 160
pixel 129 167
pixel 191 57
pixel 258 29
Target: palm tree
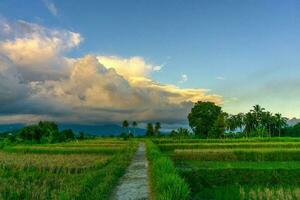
pixel 134 125
pixel 240 120
pixel 149 131
pixel 267 121
pixel 280 122
pixel 156 128
pixel 125 125
pixel 250 122
pixel 257 111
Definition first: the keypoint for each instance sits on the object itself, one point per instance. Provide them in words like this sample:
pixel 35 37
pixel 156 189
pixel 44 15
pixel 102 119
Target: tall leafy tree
pixel 202 117
pixel 218 128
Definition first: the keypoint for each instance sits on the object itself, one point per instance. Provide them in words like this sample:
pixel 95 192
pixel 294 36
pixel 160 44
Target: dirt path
pixel 134 184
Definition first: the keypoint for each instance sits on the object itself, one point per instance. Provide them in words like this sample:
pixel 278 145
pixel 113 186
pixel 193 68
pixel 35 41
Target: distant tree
pixel 125 125
pixel 81 136
pixel 124 136
pixel 183 132
pixel 280 122
pixel 202 117
pixel 157 127
pixel 134 125
pixel 67 135
pixel 180 133
pixel 218 128
pixel 149 130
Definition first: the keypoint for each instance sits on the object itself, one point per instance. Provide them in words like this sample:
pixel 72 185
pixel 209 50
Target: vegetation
pixel 204 119
pixel 165 182
pixel 42 133
pixel 58 176
pixel 253 168
pixel 207 120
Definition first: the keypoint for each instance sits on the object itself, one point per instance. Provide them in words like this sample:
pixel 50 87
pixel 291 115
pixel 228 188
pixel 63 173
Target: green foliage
pixel 157 127
pixel 150 130
pixel 292 131
pixel 256 122
pixel 166 183
pixel 203 117
pixel 45 132
pixel 180 133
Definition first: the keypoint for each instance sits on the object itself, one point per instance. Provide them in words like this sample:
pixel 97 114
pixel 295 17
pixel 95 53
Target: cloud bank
pixel 38 82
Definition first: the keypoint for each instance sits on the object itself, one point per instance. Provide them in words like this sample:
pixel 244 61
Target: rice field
pixel 255 168
pixel 76 170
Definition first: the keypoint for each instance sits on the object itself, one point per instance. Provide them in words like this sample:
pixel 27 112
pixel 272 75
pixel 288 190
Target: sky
pixel 100 61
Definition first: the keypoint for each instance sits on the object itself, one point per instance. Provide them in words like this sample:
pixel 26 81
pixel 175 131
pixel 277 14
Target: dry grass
pixel 72 163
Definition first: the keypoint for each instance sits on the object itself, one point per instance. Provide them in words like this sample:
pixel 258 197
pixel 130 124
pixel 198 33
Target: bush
pixel 166 183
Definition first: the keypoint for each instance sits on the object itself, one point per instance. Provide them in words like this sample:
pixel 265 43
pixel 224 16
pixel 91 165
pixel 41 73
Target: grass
pixel 233 145
pixel 165 181
pixel 256 168
pixel 73 163
pixel 236 140
pixel 27 176
pixel 63 150
pixel 259 154
pixel 194 164
pixel 253 192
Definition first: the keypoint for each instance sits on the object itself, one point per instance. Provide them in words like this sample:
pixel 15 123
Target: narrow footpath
pixel 134 185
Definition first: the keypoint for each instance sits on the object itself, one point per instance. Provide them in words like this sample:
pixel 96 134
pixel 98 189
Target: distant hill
pixel 105 130
pixel 99 130
pixel 10 127
pixel 293 121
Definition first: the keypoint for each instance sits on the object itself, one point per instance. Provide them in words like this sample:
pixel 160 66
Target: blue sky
pixel 245 51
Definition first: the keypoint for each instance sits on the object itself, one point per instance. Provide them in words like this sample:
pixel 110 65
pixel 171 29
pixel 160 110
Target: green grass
pixel 237 140
pixel 96 182
pixel 259 154
pixel 252 145
pixel 254 168
pixel 62 150
pixel 253 192
pixel 194 164
pixel 166 183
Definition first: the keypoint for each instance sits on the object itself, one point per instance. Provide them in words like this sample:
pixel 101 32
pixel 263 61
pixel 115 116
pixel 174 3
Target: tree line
pixel 151 129
pixel 43 132
pixel 207 120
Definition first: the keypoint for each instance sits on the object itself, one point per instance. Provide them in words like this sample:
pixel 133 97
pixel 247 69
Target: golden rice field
pixel 75 170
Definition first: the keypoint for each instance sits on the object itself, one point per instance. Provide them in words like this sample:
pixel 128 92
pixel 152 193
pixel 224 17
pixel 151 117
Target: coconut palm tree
pixel 280 122
pixel 156 128
pixel 125 125
pixel 267 121
pixel 250 122
pixel 134 125
pixel 240 121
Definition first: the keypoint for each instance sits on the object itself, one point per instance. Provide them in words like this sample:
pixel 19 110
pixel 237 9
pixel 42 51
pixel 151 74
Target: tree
pixel 134 125
pixel 280 122
pixel 81 136
pixel 218 128
pixel 150 130
pixel 202 117
pixel 156 129
pixel 125 125
pixel 250 122
pixel 67 135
